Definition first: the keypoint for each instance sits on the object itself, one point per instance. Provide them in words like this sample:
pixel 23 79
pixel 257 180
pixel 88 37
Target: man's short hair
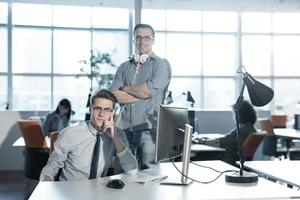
pixel 144 26
pixel 105 94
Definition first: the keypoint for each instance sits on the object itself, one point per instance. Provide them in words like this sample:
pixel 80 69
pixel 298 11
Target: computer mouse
pixel 115 183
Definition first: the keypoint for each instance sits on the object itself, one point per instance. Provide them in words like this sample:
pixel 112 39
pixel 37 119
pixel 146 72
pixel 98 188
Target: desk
pixel 285 171
pixel 206 152
pixel 96 189
pixel 21 143
pixel 288 134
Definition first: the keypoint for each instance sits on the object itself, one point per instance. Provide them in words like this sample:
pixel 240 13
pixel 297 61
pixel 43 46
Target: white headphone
pixel 140 59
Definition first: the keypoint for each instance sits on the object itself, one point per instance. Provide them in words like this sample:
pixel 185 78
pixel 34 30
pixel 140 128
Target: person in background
pixel 58 119
pixel 140 84
pixel 74 149
pixel 247 118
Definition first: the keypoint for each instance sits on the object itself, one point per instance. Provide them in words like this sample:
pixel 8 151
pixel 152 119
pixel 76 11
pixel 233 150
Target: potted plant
pixel 98 68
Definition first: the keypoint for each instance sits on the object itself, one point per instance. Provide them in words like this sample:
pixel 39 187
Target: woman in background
pixel 247 119
pixel 58 119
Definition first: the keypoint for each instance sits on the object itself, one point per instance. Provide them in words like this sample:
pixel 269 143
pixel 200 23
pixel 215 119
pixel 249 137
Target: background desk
pixel 289 133
pixel 285 171
pixel 21 143
pixel 96 189
pixel 206 152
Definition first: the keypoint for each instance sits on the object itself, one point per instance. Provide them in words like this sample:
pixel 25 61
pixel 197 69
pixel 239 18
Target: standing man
pixel 85 151
pixel 140 85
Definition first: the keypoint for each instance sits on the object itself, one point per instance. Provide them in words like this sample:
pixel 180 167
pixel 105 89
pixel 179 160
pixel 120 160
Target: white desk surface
pixel 96 189
pixel 21 143
pixel 287 133
pixel 202 147
pixel 285 171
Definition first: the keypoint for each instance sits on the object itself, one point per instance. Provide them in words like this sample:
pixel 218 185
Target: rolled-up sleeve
pixel 127 159
pixel 161 77
pixel 118 79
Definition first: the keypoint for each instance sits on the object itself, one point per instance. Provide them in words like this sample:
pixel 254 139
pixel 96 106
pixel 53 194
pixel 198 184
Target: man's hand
pixel 109 126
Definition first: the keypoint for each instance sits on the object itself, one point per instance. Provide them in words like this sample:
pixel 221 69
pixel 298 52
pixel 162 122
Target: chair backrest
pixel 266 125
pixel 279 121
pixel 252 142
pixel 32 133
pixel 53 137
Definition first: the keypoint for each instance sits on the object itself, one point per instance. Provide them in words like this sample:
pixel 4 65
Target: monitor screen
pixel 170 132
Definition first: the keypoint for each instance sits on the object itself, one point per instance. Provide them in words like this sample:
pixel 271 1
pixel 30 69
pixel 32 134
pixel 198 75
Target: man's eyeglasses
pixel 98 109
pixel 145 38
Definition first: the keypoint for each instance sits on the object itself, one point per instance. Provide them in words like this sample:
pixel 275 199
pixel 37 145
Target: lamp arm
pixel 237 123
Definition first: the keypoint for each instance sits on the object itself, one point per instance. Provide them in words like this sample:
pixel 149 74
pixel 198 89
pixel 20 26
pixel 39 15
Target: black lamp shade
pixel 260 94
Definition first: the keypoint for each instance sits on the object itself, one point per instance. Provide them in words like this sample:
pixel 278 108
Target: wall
pixel 11 157
pixel 219 121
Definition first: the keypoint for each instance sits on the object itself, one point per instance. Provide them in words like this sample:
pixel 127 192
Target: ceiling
pixel 218 5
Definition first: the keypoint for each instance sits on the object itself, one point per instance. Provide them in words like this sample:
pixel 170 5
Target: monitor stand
pixel 186 154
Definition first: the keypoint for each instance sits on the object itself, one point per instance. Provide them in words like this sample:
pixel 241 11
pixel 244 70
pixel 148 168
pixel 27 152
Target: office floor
pixel 11 185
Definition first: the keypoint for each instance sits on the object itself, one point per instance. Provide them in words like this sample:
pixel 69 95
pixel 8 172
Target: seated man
pixel 247 118
pixel 75 147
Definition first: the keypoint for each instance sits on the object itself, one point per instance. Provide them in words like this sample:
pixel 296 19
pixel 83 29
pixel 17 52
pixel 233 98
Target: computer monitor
pixel 174 137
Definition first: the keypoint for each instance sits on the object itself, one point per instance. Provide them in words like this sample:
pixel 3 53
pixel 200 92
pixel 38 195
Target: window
pixel 256 22
pixel 31 50
pixel 219 55
pixel 219 21
pixel 219 93
pixel 180 90
pixel 32 14
pixel 3 92
pixel 256 51
pixel 286 22
pixel 3 13
pixel 113 42
pixel 114 18
pixel 3 50
pixel 31 93
pixel 69 47
pixel 71 16
pixel 184 53
pixel 286 55
pixel 65 87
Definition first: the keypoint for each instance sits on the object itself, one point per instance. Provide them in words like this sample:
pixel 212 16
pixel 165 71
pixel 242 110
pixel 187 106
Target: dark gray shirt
pixel 229 142
pixel 156 73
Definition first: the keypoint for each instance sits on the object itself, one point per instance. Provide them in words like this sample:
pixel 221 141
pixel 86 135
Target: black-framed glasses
pixel 98 109
pixel 145 38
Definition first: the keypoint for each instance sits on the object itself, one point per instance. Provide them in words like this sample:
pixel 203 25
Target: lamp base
pixel 247 177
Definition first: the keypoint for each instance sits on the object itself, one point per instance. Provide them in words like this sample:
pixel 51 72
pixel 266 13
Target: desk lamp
pixel 189 98
pixel 260 95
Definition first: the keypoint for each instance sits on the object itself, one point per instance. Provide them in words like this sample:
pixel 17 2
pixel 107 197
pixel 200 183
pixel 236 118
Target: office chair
pixel 270 142
pixel 279 121
pixel 53 137
pixel 36 152
pixel 251 144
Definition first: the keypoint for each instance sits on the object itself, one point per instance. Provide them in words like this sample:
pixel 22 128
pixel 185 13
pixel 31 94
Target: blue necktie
pixel 95 158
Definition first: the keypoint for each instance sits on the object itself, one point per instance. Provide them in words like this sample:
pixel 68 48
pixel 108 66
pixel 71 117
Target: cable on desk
pixel 203 182
pixel 206 167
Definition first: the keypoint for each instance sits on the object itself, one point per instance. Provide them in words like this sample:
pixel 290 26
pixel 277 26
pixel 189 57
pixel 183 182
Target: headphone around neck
pixel 140 59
